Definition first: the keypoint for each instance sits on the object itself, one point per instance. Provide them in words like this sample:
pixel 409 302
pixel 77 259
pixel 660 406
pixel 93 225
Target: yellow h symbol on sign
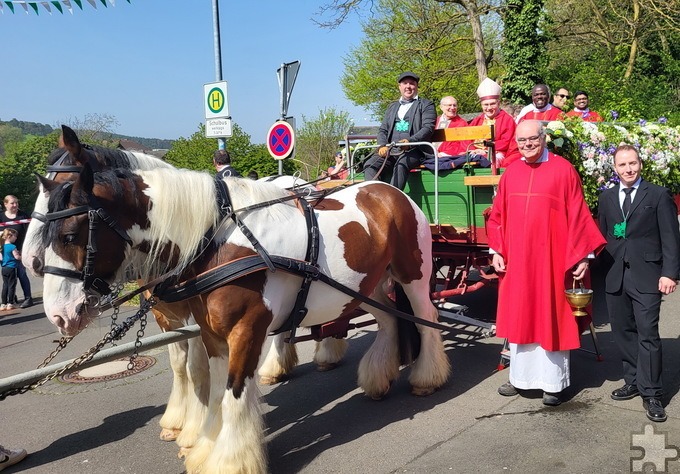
pixel 216 100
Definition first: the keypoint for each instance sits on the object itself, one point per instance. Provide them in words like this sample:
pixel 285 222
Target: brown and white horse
pixel 370 234
pixel 187 405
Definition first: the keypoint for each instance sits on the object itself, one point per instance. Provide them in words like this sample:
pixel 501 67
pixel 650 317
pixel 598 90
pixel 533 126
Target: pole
pixel 221 143
pixel 106 355
pixel 284 107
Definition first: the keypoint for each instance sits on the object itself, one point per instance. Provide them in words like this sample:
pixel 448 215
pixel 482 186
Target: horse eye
pixel 69 239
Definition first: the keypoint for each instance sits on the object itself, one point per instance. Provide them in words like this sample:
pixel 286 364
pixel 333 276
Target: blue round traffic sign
pixel 280 140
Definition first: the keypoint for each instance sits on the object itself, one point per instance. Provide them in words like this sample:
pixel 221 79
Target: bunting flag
pixel 29 5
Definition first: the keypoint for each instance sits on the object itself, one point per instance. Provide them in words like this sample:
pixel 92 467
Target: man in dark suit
pixel 640 223
pixel 409 119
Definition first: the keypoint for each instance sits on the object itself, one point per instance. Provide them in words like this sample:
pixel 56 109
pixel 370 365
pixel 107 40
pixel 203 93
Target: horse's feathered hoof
pixel 170 434
pixel 183 452
pixel 422 391
pixel 326 366
pixel 272 380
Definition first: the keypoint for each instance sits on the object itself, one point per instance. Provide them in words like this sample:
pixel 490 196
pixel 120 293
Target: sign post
pixel 287 74
pixel 217 118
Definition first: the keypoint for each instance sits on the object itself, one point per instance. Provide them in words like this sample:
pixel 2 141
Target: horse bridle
pixel 95 214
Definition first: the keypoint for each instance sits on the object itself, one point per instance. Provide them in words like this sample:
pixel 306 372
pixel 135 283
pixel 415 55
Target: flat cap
pixel 410 74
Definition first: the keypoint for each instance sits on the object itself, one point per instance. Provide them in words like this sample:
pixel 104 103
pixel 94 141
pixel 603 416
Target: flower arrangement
pixel 590 148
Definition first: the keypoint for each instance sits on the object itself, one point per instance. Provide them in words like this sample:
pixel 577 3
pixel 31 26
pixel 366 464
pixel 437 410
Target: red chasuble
pixel 504 130
pixel 453 148
pixel 542 227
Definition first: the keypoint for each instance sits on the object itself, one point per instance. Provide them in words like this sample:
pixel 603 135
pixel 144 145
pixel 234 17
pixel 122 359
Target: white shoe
pixel 10 458
pixel 3 307
pixel 9 307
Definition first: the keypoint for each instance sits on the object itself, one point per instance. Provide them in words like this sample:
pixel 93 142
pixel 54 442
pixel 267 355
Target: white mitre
pixel 489 89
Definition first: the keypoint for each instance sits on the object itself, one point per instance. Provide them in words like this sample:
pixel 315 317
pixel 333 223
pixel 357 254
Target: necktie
pixel 627 201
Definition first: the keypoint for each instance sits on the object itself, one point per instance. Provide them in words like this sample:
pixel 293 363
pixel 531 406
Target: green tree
pixel 22 160
pixel 432 38
pixel 624 53
pixel 524 50
pixel 196 153
pixel 8 134
pixel 317 140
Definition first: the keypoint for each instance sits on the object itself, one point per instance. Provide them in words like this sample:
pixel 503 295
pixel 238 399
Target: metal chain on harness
pixel 116 288
pixel 116 333
pixel 138 342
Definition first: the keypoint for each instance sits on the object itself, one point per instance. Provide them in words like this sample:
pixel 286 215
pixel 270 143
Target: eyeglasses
pixel 449 105
pixel 564 96
pixel 534 139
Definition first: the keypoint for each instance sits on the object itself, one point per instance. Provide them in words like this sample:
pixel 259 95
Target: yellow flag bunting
pixel 58 5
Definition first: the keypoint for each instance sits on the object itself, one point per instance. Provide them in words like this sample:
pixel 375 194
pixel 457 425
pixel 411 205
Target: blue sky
pixel 145 63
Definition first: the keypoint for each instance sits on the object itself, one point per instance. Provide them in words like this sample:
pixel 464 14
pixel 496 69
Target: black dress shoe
pixel 654 408
pixel 28 302
pixel 626 392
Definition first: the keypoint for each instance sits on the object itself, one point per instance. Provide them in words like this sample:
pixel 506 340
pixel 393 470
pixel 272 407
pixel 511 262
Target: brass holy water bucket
pixel 579 298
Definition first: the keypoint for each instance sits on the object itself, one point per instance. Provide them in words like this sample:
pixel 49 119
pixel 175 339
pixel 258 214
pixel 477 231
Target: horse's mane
pixel 114 158
pixel 183 208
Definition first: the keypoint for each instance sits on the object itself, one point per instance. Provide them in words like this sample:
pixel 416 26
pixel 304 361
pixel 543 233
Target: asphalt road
pixel 322 423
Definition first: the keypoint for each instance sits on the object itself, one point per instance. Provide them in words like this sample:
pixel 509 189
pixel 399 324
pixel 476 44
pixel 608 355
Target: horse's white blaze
pixel 62 296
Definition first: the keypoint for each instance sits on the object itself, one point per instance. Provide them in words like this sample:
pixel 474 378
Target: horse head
pixel 64 164
pixel 85 243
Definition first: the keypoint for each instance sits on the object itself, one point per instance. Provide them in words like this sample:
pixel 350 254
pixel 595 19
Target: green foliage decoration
pixel 590 148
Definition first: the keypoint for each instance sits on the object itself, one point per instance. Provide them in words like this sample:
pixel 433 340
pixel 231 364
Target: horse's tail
pixel 409 337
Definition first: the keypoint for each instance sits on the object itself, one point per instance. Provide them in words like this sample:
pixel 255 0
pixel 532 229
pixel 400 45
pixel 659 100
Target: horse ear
pixel 47 184
pixel 85 181
pixel 69 141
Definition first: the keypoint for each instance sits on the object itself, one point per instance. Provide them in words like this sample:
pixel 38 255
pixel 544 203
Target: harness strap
pixel 312 255
pixel 224 202
pixel 212 279
pixel 295 266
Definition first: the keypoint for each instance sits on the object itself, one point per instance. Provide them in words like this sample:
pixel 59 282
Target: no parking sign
pixel 280 140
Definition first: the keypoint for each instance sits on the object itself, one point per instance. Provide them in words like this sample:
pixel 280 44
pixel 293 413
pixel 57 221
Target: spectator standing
pixel 409 119
pixel 10 262
pixel 13 214
pixel 581 109
pixel 222 162
pixel 542 232
pixel 560 98
pixel 640 222
pixel 489 93
pixel 540 109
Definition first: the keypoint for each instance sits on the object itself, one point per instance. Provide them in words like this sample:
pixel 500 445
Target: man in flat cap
pixel 409 119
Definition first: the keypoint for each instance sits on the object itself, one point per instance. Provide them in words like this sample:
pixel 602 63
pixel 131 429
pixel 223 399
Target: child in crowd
pixel 10 261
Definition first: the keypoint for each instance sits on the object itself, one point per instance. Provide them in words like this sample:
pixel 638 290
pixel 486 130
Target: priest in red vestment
pixel 489 93
pixel 542 233
pixel 581 109
pixel 450 119
pixel 540 108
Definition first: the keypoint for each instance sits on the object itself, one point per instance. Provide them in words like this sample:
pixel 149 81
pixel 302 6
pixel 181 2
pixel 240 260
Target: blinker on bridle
pixel 90 282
